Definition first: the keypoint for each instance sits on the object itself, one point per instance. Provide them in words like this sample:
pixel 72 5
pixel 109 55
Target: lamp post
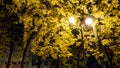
pixel 72 21
pixel 89 21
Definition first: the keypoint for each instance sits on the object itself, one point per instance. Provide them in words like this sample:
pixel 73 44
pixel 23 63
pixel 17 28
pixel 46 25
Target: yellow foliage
pixel 56 32
pixel 106 42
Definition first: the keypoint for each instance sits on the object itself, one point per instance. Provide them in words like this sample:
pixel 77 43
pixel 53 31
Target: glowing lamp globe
pixel 89 21
pixel 72 20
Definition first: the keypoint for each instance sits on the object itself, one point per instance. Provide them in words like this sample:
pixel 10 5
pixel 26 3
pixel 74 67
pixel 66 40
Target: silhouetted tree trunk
pixel 12 41
pixel 78 57
pixel 60 63
pixel 39 62
pixel 109 55
pixel 101 49
pixel 102 62
pixel 10 55
pixel 32 36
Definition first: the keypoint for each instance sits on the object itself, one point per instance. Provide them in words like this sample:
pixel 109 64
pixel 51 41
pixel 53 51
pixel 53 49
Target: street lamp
pixel 73 21
pixel 89 21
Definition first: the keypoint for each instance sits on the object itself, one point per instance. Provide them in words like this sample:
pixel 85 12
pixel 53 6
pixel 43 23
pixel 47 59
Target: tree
pixel 11 33
pixel 47 31
pixel 107 22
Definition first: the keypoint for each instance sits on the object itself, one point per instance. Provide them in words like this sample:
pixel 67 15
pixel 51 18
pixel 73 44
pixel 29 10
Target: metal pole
pixel 98 45
pixel 84 53
pixel 96 35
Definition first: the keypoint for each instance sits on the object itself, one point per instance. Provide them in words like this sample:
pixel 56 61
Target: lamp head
pixel 72 20
pixel 89 21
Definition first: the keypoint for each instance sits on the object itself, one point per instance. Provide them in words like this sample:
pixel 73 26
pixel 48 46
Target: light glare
pixel 89 21
pixel 72 20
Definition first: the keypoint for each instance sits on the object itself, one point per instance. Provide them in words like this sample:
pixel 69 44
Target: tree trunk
pixel 10 55
pixel 39 62
pixel 102 62
pixel 32 36
pixel 109 55
pixel 60 63
pixel 24 55
pixel 78 58
pixel 111 64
